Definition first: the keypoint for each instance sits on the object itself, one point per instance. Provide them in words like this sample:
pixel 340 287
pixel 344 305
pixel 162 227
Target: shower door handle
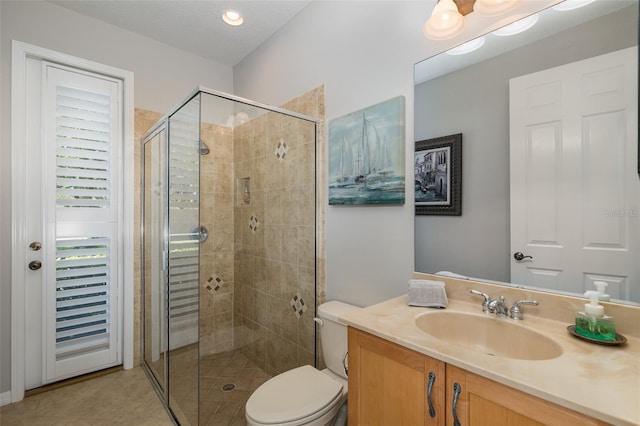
pixel 200 233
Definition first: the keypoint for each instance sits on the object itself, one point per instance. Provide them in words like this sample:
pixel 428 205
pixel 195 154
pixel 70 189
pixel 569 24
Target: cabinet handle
pixel 456 393
pixel 432 380
pixel 345 363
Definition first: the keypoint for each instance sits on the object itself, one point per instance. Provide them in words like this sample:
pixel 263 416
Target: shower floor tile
pixel 217 406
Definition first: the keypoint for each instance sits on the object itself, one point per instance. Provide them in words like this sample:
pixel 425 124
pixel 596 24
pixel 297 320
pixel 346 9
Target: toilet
pixel 305 395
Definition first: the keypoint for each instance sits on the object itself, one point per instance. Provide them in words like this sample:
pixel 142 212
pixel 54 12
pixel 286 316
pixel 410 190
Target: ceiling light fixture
pixel 571 4
pixel 467 47
pixel 494 7
pixel 517 27
pixel 445 21
pixel 232 17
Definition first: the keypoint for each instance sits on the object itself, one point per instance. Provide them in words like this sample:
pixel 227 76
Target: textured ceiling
pixel 195 26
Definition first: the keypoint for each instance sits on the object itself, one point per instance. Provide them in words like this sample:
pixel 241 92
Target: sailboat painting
pixel 366 155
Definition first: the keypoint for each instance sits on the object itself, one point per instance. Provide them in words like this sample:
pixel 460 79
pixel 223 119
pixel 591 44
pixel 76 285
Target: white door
pixel 575 190
pixel 73 283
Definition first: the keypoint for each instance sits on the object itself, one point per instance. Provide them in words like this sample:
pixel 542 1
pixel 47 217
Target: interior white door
pixel 72 311
pixel 575 189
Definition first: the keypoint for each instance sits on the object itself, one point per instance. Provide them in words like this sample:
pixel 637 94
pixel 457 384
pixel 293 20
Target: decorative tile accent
pixel 281 150
pixel 298 305
pixel 254 223
pixel 213 284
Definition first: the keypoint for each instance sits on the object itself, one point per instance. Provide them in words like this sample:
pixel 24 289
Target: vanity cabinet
pixel 389 385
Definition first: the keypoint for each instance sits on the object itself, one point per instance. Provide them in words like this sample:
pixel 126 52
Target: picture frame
pixel 367 156
pixel 438 176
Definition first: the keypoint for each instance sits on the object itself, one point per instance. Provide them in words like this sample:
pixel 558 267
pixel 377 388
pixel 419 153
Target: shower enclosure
pixel 229 252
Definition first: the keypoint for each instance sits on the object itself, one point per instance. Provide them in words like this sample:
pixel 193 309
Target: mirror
pixel 472 93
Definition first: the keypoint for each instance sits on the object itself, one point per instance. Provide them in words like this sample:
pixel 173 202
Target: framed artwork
pixel 438 176
pixel 366 155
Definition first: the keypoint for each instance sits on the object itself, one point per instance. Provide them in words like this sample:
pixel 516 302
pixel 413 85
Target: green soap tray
pixel 620 339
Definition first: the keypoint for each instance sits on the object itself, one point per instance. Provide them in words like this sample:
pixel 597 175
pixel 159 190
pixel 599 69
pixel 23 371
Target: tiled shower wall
pixel 251 308
pixel 216 254
pixel 275 241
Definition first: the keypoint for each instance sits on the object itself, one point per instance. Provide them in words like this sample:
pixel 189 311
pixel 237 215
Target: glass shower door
pixel 154 250
pixel 184 260
pixel 220 309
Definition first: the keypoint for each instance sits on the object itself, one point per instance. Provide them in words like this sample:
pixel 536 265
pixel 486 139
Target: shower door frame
pixel 161 128
pixel 157 129
pixel 164 124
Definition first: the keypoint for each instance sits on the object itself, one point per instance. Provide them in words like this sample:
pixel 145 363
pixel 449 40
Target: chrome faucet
pixel 498 307
pixel 492 306
pixel 515 313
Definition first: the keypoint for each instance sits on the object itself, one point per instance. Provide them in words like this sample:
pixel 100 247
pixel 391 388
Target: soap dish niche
pixel 243 195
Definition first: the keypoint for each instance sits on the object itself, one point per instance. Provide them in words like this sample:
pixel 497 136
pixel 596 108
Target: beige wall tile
pixel 273 207
pixel 273 242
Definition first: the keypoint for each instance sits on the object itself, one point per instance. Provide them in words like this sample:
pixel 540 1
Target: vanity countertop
pixel 600 381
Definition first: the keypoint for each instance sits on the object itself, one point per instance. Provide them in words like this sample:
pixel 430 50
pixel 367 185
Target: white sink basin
pixel 489 335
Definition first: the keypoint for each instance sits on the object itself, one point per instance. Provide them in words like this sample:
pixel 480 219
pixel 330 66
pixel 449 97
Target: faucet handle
pixel 515 313
pixel 487 299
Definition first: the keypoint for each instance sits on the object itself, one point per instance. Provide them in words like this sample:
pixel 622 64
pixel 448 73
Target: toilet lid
pixel 292 395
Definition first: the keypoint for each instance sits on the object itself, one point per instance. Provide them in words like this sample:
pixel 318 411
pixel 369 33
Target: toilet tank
pixel 333 334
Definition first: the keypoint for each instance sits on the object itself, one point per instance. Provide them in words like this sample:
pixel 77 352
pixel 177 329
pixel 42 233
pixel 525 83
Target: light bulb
pixel 518 26
pixel 445 21
pixel 232 17
pixel 467 47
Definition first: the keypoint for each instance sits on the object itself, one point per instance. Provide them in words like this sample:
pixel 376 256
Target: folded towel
pixel 426 293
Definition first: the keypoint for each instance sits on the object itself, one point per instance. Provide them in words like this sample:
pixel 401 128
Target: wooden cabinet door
pixel 388 384
pixel 483 402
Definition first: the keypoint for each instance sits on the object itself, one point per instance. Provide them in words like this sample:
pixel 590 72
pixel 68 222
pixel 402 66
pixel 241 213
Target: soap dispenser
pixel 592 322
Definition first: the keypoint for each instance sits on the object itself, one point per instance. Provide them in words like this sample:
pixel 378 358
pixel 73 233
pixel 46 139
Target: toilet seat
pixel 301 394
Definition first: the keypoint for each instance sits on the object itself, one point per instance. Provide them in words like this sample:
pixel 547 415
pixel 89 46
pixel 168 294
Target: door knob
pixel 35 246
pixel 34 265
pixel 519 256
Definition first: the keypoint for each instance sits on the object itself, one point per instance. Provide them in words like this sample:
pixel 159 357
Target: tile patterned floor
pixel 127 398
pixel 120 398
pixel 218 407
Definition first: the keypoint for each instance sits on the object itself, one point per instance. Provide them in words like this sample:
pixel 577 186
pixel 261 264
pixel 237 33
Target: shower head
pixel 204 149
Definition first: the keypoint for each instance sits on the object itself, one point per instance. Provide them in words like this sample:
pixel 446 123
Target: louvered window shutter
pixel 184 242
pixel 83 149
pixel 82 125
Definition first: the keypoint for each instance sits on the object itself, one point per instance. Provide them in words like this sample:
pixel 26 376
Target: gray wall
pixel 364 52
pixel 475 102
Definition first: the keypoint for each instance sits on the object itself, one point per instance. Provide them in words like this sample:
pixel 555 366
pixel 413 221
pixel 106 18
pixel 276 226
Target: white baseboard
pixel 5 398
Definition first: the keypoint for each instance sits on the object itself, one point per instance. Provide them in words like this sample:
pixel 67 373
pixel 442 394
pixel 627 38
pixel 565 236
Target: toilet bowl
pixel 306 395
